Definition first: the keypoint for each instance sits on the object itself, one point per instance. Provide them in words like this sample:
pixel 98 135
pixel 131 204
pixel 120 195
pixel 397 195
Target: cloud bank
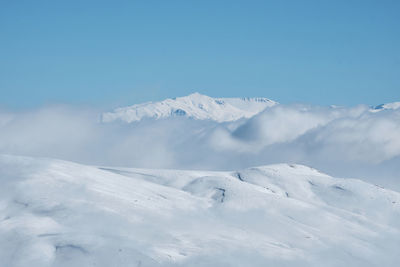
pixel 348 142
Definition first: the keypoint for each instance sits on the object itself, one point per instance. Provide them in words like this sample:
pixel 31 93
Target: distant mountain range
pixel 394 105
pixel 196 106
pixel 201 107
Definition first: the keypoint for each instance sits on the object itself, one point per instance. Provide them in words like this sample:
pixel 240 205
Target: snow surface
pixel 59 213
pixel 196 106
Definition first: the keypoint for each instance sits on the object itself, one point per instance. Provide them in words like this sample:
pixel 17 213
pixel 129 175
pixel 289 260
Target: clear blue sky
pixel 125 52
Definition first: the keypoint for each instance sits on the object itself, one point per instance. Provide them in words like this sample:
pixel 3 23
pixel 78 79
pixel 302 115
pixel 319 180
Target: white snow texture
pixel 58 213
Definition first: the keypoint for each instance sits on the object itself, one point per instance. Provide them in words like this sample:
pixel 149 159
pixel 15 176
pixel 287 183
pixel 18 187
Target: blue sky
pixel 110 53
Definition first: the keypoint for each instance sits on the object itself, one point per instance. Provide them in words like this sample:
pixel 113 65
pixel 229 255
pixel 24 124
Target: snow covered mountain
pixel 196 106
pixel 58 213
pixel 392 106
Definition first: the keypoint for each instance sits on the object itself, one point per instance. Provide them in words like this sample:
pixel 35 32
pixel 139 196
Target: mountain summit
pixel 196 106
pixel 392 106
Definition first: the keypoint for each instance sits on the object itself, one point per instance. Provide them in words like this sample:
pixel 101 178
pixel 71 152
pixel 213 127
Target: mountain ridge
pixel 60 213
pixel 195 106
pixel 386 106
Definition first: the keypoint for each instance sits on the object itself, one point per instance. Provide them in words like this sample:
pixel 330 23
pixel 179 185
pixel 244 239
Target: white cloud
pixel 342 141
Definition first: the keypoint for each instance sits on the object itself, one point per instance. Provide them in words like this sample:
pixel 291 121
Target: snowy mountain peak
pixel 393 106
pixel 196 106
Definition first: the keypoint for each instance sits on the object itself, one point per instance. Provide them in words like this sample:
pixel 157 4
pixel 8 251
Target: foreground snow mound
pixel 196 106
pixel 57 213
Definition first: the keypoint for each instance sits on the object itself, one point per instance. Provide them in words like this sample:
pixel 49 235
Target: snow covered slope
pixel 196 106
pixel 58 213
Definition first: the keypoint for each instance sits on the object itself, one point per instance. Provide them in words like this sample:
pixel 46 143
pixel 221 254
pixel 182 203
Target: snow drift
pixel 58 213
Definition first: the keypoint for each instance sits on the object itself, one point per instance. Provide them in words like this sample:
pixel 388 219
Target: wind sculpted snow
pixel 58 213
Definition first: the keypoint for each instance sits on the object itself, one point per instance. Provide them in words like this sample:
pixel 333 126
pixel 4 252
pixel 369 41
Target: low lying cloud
pixel 341 141
pixel 77 134
pixel 372 137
